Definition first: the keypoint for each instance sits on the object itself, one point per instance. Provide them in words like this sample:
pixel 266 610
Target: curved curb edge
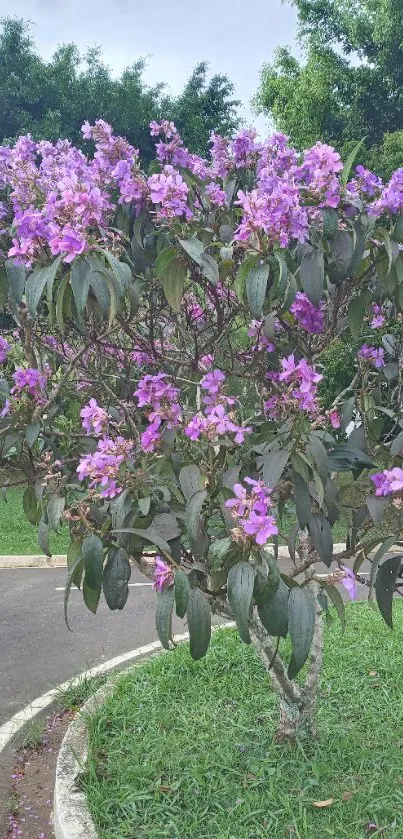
pixel 71 817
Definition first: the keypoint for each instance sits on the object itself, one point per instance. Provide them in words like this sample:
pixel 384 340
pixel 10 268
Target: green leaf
pixel 31 433
pixel 226 233
pixel 80 282
pixel 173 283
pixel 349 162
pixel 144 505
pixel 301 624
pixel 356 312
pixel 337 600
pixel 267 578
pixel 312 273
pixel 256 284
pixel 240 584
pixel 319 454
pixel 209 268
pixel 163 615
pixel 321 537
pixel 385 583
pixel 91 596
pixel 380 553
pixel 194 248
pixel 92 550
pixel 55 510
pixel 74 552
pixel 166 526
pixel 35 285
pixel 16 275
pixel 101 290
pixel 274 465
pixel 149 535
pixel 397 444
pixel 330 222
pixel 242 274
pixel 71 577
pixel 194 523
pixel 199 623
pixel 163 259
pixel 273 613
pixel 182 589
pixel 60 301
pixel 302 499
pixel 376 508
pixel 191 480
pixel 30 505
pixel 116 578
pixel 341 257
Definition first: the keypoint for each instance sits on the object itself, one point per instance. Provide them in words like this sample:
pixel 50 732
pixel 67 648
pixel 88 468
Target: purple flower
pixel 378 318
pixel 375 356
pixel 349 582
pixel 251 512
pixel 4 349
pixel 388 481
pixel 170 192
pixel 103 466
pixel 310 317
pixel 335 420
pixel 94 418
pixel 30 379
pixel 217 196
pixel 163 575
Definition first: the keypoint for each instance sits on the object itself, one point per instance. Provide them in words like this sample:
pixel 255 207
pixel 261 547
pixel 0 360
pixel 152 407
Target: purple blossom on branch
pixel 251 512
pixel 310 317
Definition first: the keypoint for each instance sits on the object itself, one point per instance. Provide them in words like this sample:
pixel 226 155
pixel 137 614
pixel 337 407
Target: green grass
pixel 18 536
pixel 33 734
pixel 185 750
pixel 76 693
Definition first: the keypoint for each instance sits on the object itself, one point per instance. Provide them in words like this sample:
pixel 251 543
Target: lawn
pixel 18 536
pixel 185 750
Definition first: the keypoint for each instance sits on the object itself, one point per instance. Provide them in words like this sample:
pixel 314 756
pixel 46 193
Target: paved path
pixel 38 652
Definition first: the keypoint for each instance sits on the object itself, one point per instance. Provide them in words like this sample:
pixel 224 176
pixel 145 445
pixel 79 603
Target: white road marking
pixel 131 585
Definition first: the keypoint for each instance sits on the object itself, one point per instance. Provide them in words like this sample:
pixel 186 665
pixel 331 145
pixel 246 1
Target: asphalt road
pixel 38 652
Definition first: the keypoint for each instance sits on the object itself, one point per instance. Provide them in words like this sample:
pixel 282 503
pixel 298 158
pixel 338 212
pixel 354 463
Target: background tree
pixel 349 85
pixel 52 99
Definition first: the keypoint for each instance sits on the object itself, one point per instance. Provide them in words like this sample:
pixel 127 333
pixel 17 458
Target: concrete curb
pixel 71 817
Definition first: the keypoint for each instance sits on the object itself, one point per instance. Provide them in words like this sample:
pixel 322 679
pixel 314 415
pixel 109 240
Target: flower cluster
pixel 4 349
pixel 388 481
pixel 28 380
pixel 301 380
pixel 162 397
pixel 163 575
pixel 378 318
pixel 103 466
pixel 310 317
pixel 94 418
pixel 215 421
pixel 256 331
pixel 374 356
pixel 170 192
pixel 250 511
pixel 318 172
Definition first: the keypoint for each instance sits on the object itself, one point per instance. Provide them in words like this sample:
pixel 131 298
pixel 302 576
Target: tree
pixel 350 85
pixel 52 99
pixel 162 393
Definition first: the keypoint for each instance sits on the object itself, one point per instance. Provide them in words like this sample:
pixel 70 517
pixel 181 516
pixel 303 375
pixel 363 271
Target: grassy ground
pixel 184 750
pixel 17 535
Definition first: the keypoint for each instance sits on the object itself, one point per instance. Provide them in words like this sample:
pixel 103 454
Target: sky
pixel 235 36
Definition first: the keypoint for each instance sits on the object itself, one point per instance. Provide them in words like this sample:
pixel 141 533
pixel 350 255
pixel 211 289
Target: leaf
pixel 16 275
pixel 301 624
pixel 376 508
pixel 144 505
pixel 341 256
pixel 149 535
pixel 267 578
pixel 242 273
pixel 199 623
pixel 274 465
pixel 226 233
pixel 30 504
pixel 91 596
pixel 55 510
pixel 60 301
pixel 36 283
pixel 302 499
pixel 163 615
pixel 173 283
pixel 319 454
pixel 349 162
pixel 116 578
pixel 194 248
pixel 256 284
pixel 330 221
pixel 380 553
pixel 356 312
pixel 194 523
pixel 273 613
pixel 397 444
pixel 312 273
pixel 321 537
pixel 74 551
pixel 386 578
pixel 326 803
pixel 209 268
pixel 80 282
pixel 240 584
pixel 31 433
pixel 101 290
pixel 182 589
pixel 337 600
pixel 166 526
pixel 191 480
pixel 71 576
pixel 92 551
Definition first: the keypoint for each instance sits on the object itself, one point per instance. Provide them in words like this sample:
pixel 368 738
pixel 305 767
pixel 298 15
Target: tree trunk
pixel 297 704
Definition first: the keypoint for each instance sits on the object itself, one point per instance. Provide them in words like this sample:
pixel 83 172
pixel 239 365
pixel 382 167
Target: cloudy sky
pixel 235 36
